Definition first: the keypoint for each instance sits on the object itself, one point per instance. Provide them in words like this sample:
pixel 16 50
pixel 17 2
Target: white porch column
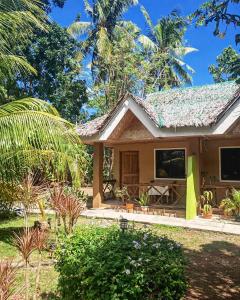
pixel 98 175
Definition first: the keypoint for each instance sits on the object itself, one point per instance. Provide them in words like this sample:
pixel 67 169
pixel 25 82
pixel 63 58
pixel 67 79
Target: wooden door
pixel 129 169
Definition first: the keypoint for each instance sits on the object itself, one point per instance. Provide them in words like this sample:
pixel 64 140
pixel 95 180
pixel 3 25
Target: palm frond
pixel 147 18
pixel 182 51
pixel 147 43
pixel 78 28
pixel 88 8
pixel 11 64
pixel 33 134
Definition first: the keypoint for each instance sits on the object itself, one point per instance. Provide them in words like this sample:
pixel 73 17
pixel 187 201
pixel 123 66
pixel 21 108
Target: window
pixel 230 164
pixel 170 163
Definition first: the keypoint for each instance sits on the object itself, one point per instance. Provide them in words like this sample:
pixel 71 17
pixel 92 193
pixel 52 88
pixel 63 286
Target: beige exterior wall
pixel 211 163
pixel 207 151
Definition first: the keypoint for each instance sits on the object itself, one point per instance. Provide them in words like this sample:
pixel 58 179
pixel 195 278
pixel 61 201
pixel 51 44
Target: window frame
pixel 167 178
pixel 220 165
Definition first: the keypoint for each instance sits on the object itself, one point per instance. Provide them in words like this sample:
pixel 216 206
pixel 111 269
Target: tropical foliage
pixel 222 15
pixel 231 204
pixel 105 16
pixel 18 18
pixel 165 49
pixel 225 67
pixel 105 264
pixel 33 134
pixel 56 57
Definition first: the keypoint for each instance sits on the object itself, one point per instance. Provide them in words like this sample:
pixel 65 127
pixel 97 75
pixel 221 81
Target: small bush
pixel 106 264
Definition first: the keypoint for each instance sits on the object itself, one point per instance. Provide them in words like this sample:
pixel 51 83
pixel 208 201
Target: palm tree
pixel 18 19
pixel 104 18
pixel 32 134
pixel 164 48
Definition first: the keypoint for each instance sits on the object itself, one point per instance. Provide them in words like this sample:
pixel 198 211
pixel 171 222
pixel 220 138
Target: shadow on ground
pixel 214 271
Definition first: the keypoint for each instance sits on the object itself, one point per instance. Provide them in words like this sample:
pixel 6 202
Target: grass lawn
pixel 213 260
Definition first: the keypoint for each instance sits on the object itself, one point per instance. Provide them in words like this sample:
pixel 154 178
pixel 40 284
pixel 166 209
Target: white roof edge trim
pixel 230 117
pixel 136 109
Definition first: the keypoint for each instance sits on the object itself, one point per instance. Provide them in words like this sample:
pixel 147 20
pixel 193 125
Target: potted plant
pixel 124 196
pixel 144 201
pixel 231 204
pixel 206 200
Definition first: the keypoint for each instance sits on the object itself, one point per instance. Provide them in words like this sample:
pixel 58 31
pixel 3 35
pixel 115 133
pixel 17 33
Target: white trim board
pixel 131 105
pixel 220 165
pixel 167 178
pixel 230 117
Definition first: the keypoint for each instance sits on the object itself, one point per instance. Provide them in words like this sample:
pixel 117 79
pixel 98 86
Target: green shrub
pixel 106 264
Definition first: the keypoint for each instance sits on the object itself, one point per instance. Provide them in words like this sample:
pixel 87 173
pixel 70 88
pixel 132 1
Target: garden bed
pixel 213 259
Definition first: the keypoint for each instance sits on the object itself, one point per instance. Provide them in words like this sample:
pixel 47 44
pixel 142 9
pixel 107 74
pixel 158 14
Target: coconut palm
pixel 165 50
pixel 32 134
pixel 104 17
pixel 18 19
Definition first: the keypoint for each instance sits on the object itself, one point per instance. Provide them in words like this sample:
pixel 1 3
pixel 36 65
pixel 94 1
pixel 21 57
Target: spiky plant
pixel 31 193
pixel 67 206
pixel 8 286
pixel 25 243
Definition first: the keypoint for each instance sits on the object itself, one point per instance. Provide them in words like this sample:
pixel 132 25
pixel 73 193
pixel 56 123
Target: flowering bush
pixel 106 264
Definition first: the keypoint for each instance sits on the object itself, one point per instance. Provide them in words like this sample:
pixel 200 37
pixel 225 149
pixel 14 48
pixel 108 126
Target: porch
pixel 136 167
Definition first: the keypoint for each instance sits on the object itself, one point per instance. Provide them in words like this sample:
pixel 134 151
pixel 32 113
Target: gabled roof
pixel 177 108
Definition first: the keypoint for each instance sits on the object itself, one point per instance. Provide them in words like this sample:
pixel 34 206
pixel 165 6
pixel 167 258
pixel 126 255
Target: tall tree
pixel 120 72
pixel 223 70
pixel 104 18
pixel 56 56
pixel 165 49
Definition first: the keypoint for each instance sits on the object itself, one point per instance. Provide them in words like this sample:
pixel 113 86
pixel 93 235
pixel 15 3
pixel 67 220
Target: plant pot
pixel 145 208
pixel 129 207
pixel 207 215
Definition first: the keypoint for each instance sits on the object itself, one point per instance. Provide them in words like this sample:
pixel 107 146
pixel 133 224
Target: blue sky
pixel 201 38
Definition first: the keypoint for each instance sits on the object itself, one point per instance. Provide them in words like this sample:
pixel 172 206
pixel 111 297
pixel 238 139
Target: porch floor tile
pixel 214 224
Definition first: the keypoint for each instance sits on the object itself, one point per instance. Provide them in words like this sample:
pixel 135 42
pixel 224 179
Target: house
pixel 175 143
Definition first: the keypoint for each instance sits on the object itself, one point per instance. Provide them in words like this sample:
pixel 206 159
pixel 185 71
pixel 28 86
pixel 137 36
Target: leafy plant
pixel 105 264
pixel 144 199
pixel 122 193
pixel 231 204
pixel 9 195
pixel 206 200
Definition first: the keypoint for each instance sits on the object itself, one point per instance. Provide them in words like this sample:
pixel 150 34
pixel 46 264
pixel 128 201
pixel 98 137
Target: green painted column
pixel 192 182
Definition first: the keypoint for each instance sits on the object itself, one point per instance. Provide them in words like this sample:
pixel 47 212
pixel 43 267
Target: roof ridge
pixel 191 87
